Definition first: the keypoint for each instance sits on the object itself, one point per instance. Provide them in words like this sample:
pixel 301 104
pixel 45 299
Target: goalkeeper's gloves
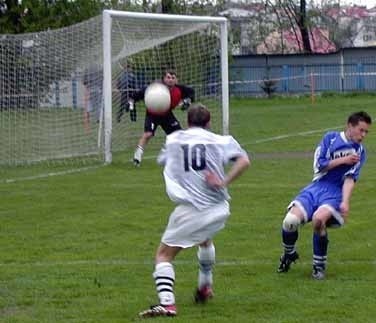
pixel 186 103
pixel 132 110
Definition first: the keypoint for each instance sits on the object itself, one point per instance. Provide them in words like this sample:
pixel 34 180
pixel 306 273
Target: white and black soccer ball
pixel 157 98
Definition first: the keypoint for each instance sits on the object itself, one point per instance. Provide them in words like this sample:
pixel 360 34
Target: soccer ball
pixel 157 98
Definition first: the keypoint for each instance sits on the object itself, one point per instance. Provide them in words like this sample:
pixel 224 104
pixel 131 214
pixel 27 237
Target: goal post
pixel 63 91
pixel 193 23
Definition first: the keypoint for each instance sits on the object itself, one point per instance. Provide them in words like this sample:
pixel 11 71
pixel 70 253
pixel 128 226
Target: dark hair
pixel 169 71
pixel 198 115
pixel 356 117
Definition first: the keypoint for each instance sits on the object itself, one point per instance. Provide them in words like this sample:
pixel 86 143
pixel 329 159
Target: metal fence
pixel 349 70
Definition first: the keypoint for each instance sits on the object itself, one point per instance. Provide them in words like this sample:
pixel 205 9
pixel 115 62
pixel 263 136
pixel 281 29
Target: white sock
pixel 138 153
pixel 206 260
pixel 164 276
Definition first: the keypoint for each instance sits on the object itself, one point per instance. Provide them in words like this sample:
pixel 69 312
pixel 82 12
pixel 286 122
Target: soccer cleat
pixel 286 260
pixel 318 273
pixel 203 294
pixel 158 310
pixel 136 162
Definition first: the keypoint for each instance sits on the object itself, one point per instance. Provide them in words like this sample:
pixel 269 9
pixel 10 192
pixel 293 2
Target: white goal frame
pixel 107 71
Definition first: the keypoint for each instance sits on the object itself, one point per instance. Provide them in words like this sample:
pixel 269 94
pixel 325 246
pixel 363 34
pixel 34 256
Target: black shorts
pixel 168 122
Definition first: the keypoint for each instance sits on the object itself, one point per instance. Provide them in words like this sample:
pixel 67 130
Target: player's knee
pixel 291 222
pixel 318 224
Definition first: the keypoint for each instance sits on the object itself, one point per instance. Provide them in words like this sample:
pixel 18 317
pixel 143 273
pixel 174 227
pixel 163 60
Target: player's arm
pixel 346 160
pixel 188 96
pixel 136 96
pixel 162 157
pixel 322 161
pixel 238 167
pixel 347 189
pixel 131 104
pixel 187 92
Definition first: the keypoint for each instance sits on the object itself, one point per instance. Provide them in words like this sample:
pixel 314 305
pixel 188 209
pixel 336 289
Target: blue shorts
pixel 320 194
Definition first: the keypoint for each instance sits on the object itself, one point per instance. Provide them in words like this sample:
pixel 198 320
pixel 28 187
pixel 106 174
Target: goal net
pixel 62 92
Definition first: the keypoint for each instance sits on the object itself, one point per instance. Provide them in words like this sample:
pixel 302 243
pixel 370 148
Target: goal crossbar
pixel 108 16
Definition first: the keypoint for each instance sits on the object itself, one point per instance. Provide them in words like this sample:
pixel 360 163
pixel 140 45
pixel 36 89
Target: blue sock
pixel 320 250
pixel 288 241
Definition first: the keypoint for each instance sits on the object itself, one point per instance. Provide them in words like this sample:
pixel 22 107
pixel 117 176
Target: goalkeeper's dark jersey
pixel 177 93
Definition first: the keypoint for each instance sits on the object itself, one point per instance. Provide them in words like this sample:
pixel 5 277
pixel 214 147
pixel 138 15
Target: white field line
pixel 280 137
pixel 51 174
pixel 124 262
pixel 84 169
pixel 300 134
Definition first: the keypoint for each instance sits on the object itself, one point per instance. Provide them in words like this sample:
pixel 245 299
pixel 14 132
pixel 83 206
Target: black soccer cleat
pixel 286 260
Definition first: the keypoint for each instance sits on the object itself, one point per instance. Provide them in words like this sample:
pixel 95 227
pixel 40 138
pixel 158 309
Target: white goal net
pixel 62 91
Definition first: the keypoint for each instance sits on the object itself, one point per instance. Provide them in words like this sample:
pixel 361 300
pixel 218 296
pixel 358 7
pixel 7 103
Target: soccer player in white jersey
pixel 196 181
pixel 325 202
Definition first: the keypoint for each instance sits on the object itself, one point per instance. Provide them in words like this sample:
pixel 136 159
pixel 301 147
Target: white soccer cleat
pixel 159 310
pixel 318 273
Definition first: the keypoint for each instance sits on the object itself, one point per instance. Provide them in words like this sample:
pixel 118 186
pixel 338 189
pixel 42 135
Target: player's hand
pixel 186 104
pixel 351 159
pixel 213 180
pixel 344 208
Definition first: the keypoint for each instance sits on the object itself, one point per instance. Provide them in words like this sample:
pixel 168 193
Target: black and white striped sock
pixel 164 276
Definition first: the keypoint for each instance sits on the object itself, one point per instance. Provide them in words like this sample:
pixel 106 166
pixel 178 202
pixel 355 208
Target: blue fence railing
pixel 294 79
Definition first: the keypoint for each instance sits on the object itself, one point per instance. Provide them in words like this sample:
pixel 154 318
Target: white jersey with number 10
pixel 187 155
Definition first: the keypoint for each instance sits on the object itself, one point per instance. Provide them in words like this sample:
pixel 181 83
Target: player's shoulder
pixel 332 133
pixel 183 87
pixel 175 135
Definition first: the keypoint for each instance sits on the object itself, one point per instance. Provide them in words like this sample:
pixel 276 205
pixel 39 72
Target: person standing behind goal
pixel 181 95
pixel 196 181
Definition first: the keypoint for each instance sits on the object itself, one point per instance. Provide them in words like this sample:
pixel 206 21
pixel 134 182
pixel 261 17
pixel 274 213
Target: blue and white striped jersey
pixel 335 145
pixel 187 155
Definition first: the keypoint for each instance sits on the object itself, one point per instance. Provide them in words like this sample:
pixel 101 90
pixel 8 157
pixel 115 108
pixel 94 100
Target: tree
pixel 37 15
pixel 297 17
pixel 303 27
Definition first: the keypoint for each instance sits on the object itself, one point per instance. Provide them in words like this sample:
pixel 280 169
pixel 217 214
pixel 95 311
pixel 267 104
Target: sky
pixel 368 3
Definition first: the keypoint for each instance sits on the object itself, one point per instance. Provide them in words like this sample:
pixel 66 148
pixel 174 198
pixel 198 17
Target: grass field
pixel 79 247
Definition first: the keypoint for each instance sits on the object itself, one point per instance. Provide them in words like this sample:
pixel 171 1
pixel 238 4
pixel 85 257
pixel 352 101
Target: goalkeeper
pixel 181 95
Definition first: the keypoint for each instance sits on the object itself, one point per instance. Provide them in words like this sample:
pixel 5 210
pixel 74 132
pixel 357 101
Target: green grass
pixel 79 247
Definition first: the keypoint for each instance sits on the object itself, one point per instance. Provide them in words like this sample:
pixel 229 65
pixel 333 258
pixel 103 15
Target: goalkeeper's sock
pixel 138 154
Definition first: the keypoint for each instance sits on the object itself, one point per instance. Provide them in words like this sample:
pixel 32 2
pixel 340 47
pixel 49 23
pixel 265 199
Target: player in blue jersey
pixel 325 202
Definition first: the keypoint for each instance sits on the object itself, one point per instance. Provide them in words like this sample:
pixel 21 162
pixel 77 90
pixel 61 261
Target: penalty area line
pixel 276 138
pixel 51 174
pixel 300 134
